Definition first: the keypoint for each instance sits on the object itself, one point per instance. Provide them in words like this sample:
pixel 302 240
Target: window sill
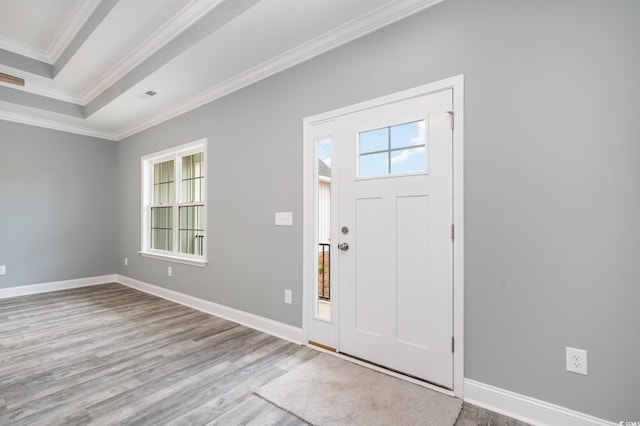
pixel 176 259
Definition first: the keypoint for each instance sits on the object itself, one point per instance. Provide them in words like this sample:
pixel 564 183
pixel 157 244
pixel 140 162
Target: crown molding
pixel 186 17
pixel 77 18
pixel 46 92
pixel 70 28
pixel 54 125
pixel 23 50
pixel 180 22
pixel 376 19
pixel 359 27
pixel 49 93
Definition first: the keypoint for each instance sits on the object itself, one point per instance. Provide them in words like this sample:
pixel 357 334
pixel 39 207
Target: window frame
pixel 147 164
pixel 389 151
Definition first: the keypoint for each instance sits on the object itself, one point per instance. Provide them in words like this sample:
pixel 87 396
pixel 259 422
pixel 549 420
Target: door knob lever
pixel 343 246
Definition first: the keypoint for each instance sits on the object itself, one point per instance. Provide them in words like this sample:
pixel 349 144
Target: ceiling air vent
pixel 147 95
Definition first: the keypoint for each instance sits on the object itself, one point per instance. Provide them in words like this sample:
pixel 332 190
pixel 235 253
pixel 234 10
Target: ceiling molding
pixel 350 31
pixel 185 41
pixel 50 93
pixel 76 21
pixel 54 125
pixel 189 15
pixel 181 21
pixel 22 50
pixel 80 37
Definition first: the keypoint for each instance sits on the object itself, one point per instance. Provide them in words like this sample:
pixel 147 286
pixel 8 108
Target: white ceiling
pixel 100 56
pixel 19 18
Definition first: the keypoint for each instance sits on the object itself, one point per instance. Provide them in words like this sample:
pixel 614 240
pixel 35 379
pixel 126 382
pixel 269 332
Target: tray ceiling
pixel 87 64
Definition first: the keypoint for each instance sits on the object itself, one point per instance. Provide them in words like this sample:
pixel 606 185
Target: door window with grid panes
pixel 174 205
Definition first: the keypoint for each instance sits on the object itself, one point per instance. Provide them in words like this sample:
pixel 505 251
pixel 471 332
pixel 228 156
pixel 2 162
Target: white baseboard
pixel 525 408
pixel 275 328
pixel 502 401
pixel 26 290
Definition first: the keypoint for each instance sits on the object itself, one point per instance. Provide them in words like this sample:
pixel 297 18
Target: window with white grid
pixel 174 204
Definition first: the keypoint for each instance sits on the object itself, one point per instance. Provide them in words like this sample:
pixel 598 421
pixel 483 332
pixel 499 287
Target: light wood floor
pixel 112 355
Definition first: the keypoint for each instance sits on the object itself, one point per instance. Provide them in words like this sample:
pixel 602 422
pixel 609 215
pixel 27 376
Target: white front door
pixel 396 212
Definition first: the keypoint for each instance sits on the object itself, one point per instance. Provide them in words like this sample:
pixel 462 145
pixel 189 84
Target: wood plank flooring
pixel 112 355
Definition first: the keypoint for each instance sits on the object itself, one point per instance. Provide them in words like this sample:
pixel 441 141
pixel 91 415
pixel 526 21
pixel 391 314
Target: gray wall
pixel 551 188
pixel 254 170
pixel 551 185
pixel 57 205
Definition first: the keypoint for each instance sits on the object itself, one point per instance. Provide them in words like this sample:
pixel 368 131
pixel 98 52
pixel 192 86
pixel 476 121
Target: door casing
pixel 310 126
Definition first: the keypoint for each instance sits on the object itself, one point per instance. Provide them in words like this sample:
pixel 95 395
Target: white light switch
pixel 3 270
pixel 284 218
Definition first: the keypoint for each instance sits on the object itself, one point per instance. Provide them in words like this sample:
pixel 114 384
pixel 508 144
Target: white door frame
pixel 309 267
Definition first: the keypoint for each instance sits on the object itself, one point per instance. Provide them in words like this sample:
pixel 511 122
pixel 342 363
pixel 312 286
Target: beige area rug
pixel 330 391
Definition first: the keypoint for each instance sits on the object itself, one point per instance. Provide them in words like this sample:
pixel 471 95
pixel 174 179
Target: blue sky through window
pixel 403 147
pixel 324 151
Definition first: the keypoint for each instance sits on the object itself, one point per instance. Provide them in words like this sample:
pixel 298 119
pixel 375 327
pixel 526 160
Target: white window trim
pixel 146 163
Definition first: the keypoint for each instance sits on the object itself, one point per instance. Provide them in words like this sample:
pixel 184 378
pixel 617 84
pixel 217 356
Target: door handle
pixel 343 246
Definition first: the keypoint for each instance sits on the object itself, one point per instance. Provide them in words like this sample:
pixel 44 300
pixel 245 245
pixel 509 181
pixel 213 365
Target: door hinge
pixel 453 119
pixel 453 344
pixel 453 232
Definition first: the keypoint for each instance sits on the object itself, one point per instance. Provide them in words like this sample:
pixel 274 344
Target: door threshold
pixel 395 372
pixel 384 370
pixel 320 345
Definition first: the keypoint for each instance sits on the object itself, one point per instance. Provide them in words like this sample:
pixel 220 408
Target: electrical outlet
pixel 3 269
pixel 169 271
pixel 126 261
pixel 577 360
pixel 287 296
